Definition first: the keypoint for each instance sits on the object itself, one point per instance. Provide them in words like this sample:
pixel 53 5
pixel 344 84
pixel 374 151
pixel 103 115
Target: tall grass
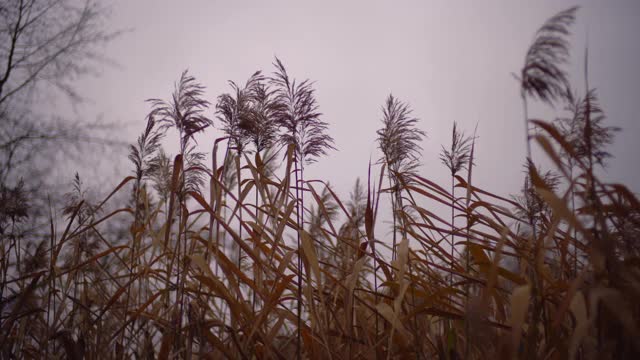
pixel 552 272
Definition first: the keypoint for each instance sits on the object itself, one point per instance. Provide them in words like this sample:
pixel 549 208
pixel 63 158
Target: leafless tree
pixel 45 46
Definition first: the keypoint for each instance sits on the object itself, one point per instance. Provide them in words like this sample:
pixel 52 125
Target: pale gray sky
pixel 451 60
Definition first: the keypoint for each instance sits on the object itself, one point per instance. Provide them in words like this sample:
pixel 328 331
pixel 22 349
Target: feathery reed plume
pixel 531 207
pixel 185 113
pixel 586 140
pixel 195 173
pixel 160 175
pixel 542 76
pixel 260 125
pixel 76 202
pixel 296 113
pixel 14 205
pixel 299 119
pixel 185 110
pixel 235 113
pixel 456 158
pixel 148 143
pixel 356 207
pixel 351 231
pixel 399 140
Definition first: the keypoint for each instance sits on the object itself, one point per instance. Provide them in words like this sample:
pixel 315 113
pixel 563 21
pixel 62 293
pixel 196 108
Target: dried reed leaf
pixel 579 310
pixel 520 298
pixel 310 254
pixel 389 314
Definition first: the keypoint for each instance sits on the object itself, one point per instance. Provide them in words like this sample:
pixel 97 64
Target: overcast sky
pixel 451 60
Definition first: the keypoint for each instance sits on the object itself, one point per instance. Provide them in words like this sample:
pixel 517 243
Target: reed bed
pixel 245 258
